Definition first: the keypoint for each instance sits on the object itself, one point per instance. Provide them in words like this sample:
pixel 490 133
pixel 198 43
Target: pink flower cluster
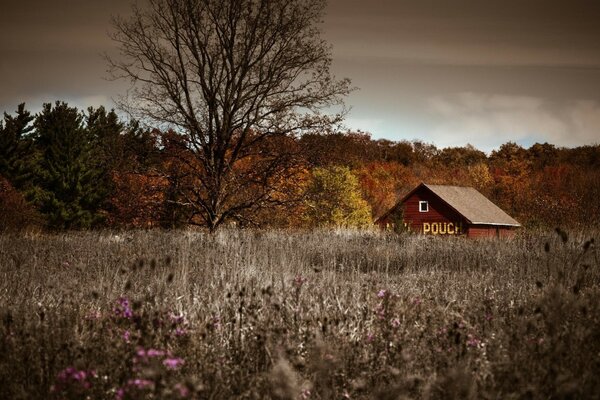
pixel 173 362
pixel 299 281
pixel 182 390
pixel 93 315
pixel 72 378
pixel 133 385
pixel 179 324
pixel 381 309
pixel 123 308
pixel 216 322
pixel 143 356
pixel 473 341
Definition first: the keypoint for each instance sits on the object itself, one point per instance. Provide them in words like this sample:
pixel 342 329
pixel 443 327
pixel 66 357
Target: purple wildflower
pixel 178 324
pixel 380 311
pixel 93 315
pixel 472 341
pixel 382 293
pixel 173 363
pixel 177 319
pixel 299 280
pixel 73 378
pixel 155 353
pixel 182 390
pixel 150 353
pixel 123 309
pixel 140 383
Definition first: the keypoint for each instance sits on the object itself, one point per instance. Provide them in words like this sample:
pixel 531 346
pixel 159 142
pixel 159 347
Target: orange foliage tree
pixel 138 200
pixel 383 183
pixel 16 214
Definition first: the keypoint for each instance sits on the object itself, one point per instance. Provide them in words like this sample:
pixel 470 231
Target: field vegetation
pixel 298 315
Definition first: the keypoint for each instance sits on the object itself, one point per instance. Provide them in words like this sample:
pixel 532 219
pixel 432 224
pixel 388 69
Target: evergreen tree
pixel 141 148
pixel 108 147
pixel 104 129
pixel 67 182
pixel 16 148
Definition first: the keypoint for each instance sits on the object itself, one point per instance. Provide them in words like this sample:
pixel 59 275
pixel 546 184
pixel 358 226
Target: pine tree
pixel 67 178
pixel 16 148
pixel 105 129
pixel 105 133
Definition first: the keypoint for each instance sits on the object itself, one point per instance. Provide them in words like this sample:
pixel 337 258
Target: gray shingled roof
pixel 472 205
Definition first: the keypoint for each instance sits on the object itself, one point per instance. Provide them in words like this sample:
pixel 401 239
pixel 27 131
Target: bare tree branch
pixel 229 75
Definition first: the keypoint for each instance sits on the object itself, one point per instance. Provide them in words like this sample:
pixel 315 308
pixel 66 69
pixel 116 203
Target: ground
pixel 299 315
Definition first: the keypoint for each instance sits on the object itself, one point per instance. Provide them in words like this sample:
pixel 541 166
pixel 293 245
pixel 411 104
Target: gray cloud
pixel 411 59
pixel 487 121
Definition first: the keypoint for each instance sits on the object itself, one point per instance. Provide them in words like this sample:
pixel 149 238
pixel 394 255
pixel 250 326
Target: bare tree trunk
pixel 229 77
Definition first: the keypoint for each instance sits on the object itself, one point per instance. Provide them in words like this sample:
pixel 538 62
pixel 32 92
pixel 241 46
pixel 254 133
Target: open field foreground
pixel 298 315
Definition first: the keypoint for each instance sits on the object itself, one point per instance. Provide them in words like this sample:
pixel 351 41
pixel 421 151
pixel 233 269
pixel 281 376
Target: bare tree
pixel 234 78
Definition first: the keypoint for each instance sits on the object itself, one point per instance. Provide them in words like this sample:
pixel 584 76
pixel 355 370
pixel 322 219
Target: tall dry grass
pixel 298 315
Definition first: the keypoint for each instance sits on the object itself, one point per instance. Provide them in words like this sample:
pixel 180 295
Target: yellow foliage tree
pixel 334 199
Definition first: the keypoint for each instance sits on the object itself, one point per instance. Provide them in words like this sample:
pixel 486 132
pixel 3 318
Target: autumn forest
pixel 65 168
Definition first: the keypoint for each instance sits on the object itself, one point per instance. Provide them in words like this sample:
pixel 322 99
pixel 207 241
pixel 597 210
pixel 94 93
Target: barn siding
pixel 439 212
pixel 489 231
pixel 481 232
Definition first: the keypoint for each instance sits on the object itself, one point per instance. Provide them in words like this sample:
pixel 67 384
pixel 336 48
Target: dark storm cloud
pixel 469 32
pixel 52 50
pixel 438 70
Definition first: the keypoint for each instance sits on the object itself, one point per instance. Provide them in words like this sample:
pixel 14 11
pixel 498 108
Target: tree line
pixel 66 168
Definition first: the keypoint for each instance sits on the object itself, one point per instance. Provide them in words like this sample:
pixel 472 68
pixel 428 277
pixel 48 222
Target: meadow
pixel 298 315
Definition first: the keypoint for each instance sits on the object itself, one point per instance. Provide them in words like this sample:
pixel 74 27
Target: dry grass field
pixel 298 315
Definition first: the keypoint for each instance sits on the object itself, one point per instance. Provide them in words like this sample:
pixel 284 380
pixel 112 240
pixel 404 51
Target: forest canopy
pixel 66 168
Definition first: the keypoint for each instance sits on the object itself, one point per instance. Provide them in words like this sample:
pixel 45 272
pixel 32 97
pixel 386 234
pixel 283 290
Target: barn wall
pixel 481 232
pixel 508 232
pixel 439 220
pixel 489 231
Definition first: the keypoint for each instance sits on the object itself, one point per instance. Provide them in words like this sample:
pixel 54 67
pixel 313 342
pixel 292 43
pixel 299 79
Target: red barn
pixel 450 210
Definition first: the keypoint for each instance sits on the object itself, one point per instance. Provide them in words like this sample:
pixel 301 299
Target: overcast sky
pixel 450 72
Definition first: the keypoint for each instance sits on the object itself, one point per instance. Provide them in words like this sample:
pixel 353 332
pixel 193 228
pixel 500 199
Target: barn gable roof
pixel 472 205
pixel 468 202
